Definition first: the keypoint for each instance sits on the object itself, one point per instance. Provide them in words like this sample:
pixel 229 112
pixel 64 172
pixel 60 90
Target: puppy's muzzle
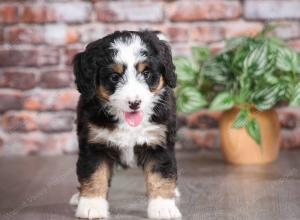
pixel 135 105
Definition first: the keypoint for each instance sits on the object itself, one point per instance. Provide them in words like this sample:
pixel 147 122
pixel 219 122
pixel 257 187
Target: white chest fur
pixel 125 137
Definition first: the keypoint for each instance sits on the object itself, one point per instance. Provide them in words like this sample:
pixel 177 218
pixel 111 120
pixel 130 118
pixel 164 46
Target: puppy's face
pixel 130 70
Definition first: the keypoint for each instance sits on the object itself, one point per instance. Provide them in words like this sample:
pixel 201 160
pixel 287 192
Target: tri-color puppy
pixel 126 115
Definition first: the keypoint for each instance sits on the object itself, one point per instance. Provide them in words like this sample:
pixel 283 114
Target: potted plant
pixel 246 81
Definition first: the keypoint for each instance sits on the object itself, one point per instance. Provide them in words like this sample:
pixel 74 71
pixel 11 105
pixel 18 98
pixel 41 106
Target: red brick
pixel 40 144
pixel 10 100
pixel 295 44
pixel 75 12
pixel 129 11
pixel 56 79
pixel 18 79
pixel 29 57
pixel 1 144
pixel 14 121
pixel 181 49
pixel 59 143
pixel 69 143
pixel 195 138
pixel 272 9
pixel 287 30
pixel 60 34
pixel 30 35
pixel 51 100
pixel 203 119
pixel 207 33
pixel 177 34
pixel 290 139
pixel 289 117
pixel 72 36
pixel 93 32
pixel 22 144
pixel 204 10
pixel 8 14
pixel 56 122
pixel 217 32
pixel 1 35
pixel 70 52
pixel 241 28
pixel 56 34
pixel 181 120
pixel 38 14
pixel 216 47
pixel 19 121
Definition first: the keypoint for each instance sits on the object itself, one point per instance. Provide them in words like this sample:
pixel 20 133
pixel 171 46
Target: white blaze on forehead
pixel 133 87
pixel 129 50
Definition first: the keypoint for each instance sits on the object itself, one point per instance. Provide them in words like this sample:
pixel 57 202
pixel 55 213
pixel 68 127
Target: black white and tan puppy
pixel 126 115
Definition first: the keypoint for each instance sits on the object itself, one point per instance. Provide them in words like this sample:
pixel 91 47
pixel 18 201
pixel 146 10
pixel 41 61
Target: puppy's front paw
pixel 177 192
pixel 92 208
pixel 160 208
pixel 74 199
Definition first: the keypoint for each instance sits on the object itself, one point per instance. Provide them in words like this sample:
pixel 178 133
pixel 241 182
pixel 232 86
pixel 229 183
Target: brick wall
pixel 39 38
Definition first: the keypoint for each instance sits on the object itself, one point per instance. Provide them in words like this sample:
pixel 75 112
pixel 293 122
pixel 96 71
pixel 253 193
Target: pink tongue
pixel 133 118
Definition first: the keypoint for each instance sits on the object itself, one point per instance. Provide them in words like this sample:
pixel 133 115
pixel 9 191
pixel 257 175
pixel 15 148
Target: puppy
pixel 126 115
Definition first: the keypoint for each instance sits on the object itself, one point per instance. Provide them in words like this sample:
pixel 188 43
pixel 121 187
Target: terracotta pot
pixel 239 148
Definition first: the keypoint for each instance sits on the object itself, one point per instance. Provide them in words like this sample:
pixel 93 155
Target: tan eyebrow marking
pixel 118 68
pixel 141 67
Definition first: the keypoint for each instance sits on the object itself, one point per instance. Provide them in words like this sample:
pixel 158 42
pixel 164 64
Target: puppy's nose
pixel 135 105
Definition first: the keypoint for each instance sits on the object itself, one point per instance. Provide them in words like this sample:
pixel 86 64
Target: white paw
pixel 74 199
pixel 92 208
pixel 177 192
pixel 160 208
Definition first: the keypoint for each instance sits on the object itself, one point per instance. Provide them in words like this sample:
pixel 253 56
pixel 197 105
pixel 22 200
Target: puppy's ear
pixel 169 68
pixel 85 76
pixel 157 40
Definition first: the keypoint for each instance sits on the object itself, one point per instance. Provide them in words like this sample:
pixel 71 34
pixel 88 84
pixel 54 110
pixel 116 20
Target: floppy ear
pixel 157 40
pixel 169 68
pixel 85 75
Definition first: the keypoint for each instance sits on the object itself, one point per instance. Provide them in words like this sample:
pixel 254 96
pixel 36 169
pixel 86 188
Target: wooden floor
pixel 34 188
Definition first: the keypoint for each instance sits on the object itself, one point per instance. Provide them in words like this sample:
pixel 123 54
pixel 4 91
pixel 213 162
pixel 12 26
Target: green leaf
pixel 186 70
pixel 268 28
pixel 190 99
pixel 266 98
pixel 253 130
pixel 287 59
pixel 241 119
pixel 214 72
pixel 295 101
pixel 297 66
pixel 235 42
pixel 270 78
pixel 223 101
pixel 201 53
pixel 244 96
pixel 256 61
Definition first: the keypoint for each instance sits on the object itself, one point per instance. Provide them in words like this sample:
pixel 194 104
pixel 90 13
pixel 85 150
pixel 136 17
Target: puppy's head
pixel 127 72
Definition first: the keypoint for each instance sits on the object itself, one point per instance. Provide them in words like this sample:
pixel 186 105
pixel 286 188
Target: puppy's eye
pixel 114 77
pixel 146 74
